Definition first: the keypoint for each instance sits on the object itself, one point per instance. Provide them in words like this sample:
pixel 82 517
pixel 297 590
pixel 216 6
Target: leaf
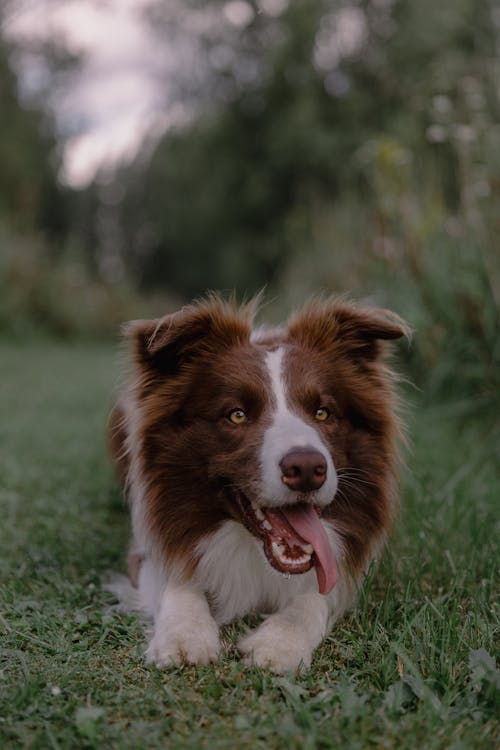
pixel 242 722
pixel 352 703
pixel 415 681
pixel 399 697
pixel 86 719
pixel 483 668
pixel 291 690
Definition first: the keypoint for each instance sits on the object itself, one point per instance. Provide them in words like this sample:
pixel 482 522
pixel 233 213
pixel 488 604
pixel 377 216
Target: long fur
pixel 194 561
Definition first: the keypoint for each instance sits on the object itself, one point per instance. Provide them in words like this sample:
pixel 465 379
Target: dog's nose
pixel 303 469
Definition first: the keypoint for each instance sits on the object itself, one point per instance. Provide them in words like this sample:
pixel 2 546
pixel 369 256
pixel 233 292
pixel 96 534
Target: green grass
pixel 410 668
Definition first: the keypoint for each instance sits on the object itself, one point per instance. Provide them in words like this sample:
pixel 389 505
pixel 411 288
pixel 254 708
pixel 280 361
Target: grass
pixel 411 667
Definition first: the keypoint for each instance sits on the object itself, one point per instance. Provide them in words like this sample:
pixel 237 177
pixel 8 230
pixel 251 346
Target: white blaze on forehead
pixel 274 361
pixel 288 431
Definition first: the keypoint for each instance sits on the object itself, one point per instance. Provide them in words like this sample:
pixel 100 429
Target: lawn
pixel 412 667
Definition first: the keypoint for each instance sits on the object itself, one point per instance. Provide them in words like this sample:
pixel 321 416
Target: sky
pixel 126 86
pixel 118 97
pixel 121 94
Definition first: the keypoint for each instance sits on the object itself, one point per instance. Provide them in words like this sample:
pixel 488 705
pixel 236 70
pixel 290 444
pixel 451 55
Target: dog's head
pixel 275 429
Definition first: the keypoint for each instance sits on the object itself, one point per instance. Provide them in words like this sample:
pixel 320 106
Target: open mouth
pixel 294 539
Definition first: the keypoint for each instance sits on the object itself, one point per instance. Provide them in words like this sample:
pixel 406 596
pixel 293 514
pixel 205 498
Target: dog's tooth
pixel 266 525
pixel 258 513
pixel 279 551
pixel 297 560
pixel 308 549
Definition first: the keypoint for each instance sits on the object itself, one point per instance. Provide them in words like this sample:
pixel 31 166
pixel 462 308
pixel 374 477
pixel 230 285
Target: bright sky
pixel 124 90
pixel 121 94
pixel 116 99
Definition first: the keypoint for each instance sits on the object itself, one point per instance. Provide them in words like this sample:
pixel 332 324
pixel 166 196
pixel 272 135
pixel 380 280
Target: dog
pixel 260 467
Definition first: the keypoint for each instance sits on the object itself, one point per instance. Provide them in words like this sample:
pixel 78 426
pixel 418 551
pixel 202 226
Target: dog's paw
pixel 184 646
pixel 276 646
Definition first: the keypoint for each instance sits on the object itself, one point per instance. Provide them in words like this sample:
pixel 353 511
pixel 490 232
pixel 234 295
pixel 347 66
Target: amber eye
pixel 322 414
pixel 237 416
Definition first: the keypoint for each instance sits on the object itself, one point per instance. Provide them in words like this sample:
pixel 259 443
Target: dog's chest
pixel 237 578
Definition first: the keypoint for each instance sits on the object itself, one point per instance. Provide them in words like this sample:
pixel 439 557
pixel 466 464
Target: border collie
pixel 260 469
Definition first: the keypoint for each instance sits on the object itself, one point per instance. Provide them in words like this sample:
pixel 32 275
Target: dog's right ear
pixel 165 344
pixel 162 344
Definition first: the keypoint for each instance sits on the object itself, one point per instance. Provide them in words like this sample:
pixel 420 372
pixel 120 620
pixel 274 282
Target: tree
pixel 296 110
pixel 29 196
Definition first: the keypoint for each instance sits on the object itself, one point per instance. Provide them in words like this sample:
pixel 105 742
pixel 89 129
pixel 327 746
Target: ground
pixel 412 667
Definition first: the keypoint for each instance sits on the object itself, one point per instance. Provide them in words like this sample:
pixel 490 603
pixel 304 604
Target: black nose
pixel 303 469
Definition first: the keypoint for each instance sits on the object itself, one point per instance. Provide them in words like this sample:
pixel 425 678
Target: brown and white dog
pixel 260 469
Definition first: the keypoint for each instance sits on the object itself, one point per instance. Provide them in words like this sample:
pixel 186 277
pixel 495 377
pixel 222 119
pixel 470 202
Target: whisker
pixel 353 469
pixel 344 497
pixel 354 479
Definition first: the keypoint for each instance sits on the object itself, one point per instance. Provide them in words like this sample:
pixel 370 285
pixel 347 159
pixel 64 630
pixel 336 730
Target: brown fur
pixel 193 367
pixel 345 370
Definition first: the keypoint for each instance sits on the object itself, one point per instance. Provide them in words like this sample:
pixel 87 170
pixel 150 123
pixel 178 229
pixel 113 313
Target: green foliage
pixel 29 195
pixel 62 299
pixel 413 666
pixel 369 166
pixel 330 146
pixel 445 281
pixel 409 96
pixel 308 163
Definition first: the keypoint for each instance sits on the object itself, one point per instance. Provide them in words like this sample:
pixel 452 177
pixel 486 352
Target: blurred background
pixel 153 149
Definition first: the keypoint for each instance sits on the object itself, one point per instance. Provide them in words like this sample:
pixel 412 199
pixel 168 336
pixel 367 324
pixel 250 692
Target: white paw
pixel 278 646
pixel 189 645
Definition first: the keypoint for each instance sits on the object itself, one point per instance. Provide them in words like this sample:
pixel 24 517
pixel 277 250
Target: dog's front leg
pixel 286 640
pixel 184 629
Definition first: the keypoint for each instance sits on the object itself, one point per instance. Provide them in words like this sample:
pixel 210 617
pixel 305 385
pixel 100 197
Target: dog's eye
pixel 322 414
pixel 237 416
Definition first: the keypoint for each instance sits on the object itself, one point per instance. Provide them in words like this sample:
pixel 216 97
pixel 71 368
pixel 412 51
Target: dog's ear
pixel 160 344
pixel 164 344
pixel 359 330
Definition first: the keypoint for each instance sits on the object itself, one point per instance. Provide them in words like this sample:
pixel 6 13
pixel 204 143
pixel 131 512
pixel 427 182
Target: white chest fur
pixel 237 578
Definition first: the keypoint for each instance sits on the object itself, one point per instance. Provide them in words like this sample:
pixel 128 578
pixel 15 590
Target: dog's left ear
pixel 365 326
pixel 359 330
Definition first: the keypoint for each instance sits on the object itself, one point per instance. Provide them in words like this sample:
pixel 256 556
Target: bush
pixel 39 295
pixel 441 274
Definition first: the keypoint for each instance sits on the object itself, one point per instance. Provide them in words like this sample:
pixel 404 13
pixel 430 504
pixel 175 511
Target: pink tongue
pixel 305 522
